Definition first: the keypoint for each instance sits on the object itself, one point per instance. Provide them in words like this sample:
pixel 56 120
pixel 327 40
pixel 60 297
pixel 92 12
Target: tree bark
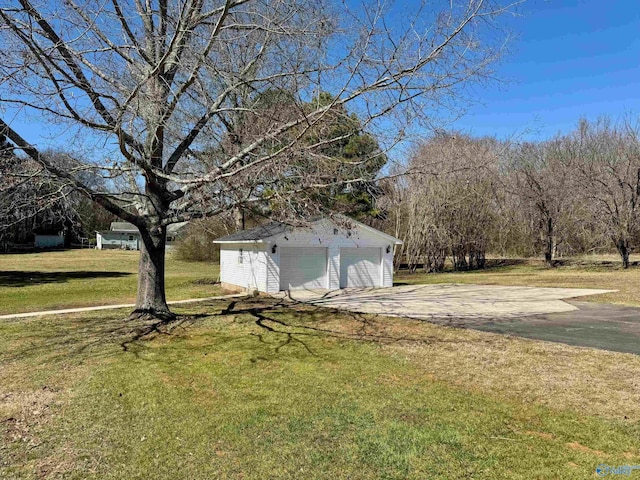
pixel 151 300
pixel 549 243
pixel 239 218
pixel 67 233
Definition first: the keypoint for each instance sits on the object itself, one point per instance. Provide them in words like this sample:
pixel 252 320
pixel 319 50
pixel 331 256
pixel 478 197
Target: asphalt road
pixel 597 325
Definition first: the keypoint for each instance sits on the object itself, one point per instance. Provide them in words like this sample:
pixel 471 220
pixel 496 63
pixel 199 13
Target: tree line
pixel 459 197
pixel 33 201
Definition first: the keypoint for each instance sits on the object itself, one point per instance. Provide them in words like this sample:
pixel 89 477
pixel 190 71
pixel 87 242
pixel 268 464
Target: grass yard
pixel 602 272
pixel 81 278
pixel 253 389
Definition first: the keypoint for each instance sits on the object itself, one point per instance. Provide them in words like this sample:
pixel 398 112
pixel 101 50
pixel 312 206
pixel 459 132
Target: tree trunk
pixel 68 225
pixel 151 300
pixel 239 218
pixel 623 249
pixel 549 243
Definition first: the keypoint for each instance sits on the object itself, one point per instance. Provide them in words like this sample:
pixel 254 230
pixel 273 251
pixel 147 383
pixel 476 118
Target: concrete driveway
pixel 530 312
pixel 456 301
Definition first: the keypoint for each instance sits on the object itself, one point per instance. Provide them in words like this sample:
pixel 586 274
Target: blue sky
pixel 572 59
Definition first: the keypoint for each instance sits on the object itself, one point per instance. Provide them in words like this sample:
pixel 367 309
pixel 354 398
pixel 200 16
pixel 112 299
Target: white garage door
pixel 359 267
pixel 303 268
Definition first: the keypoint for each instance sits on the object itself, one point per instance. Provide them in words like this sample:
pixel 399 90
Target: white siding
pixel 387 267
pixel 334 267
pixel 273 269
pixel 250 272
pixel 263 270
pixel 118 240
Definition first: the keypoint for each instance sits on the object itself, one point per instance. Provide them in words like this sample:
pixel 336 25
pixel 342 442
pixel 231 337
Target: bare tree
pixel 166 86
pixel 445 205
pixel 609 177
pixel 544 178
pixel 32 200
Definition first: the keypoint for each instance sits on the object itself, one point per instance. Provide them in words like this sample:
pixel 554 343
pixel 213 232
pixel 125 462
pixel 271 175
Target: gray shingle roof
pixel 258 233
pixel 123 227
pixel 269 230
pixel 127 227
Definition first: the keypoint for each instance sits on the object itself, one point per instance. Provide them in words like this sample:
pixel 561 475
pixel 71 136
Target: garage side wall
pixel 244 265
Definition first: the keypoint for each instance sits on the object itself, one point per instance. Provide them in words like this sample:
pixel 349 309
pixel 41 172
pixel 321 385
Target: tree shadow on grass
pixel 287 323
pixel 281 324
pixel 24 278
pixel 76 339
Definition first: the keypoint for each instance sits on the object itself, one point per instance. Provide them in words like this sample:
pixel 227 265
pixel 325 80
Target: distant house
pixel 121 235
pixel 125 236
pixel 324 255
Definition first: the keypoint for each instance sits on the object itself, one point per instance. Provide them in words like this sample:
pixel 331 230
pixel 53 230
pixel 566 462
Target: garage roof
pixel 265 232
pixel 260 233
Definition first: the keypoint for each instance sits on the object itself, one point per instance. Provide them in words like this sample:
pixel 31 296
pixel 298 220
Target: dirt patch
pixel 23 416
pixel 24 412
pixel 582 448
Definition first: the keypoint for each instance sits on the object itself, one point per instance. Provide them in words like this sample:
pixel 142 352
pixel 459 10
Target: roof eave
pixel 377 232
pixel 238 241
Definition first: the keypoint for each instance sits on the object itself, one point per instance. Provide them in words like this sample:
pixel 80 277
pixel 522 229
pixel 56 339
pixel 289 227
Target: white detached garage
pixel 323 255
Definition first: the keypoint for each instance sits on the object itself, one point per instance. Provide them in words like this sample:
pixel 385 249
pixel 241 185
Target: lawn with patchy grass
pixel 602 272
pixel 82 278
pixel 255 389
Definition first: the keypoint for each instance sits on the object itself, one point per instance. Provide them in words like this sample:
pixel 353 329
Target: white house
pixel 324 255
pixel 125 236
pixel 121 235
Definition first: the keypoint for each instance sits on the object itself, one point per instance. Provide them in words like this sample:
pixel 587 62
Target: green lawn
pixel 79 278
pixel 253 390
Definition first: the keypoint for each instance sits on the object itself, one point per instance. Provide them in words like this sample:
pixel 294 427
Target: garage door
pixel 359 267
pixel 303 268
